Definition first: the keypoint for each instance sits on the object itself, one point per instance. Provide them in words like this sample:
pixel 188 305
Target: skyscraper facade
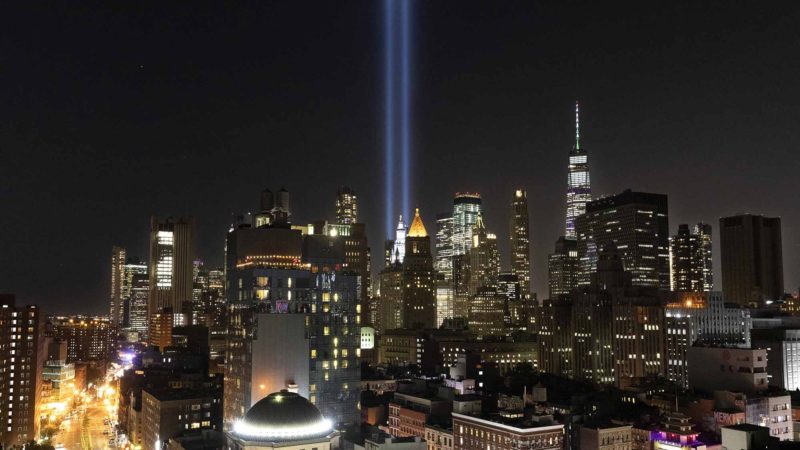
pixel 752 258
pixel 346 206
pixel 690 259
pixel 444 267
pixel 22 357
pixel 579 188
pixel 519 236
pixel 118 258
pixel 484 259
pixel 132 272
pixel 171 270
pixel 637 224
pixel 399 243
pixel 562 267
pixel 419 288
pixel 466 209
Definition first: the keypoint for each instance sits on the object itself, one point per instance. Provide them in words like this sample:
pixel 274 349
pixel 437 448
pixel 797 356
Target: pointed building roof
pixel 479 226
pixel 417 229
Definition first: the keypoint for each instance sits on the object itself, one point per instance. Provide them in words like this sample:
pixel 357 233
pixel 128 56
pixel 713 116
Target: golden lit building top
pixel 417 229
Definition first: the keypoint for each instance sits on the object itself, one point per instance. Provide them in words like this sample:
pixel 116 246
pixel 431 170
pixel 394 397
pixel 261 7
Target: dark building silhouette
pixel 752 258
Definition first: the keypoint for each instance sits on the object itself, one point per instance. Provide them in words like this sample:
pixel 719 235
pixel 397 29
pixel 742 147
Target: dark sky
pixel 111 111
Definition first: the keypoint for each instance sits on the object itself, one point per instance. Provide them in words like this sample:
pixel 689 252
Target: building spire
pixel 577 127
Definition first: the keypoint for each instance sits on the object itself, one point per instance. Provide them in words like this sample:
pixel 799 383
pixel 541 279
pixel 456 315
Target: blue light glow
pixel 406 176
pixel 389 27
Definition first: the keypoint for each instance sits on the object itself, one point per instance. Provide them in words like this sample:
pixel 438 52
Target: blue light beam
pixel 389 36
pixel 405 116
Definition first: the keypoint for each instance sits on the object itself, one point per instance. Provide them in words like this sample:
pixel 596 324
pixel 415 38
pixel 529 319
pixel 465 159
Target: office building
pixel 562 267
pixel 443 263
pixel 579 187
pixel 22 356
pixel 484 258
pixel 487 313
pixel 169 412
pixel 516 310
pixel 783 355
pixel 690 259
pixel 138 305
pixel 637 224
pixel 482 432
pixel 87 338
pixel 346 206
pixel 171 270
pixel 752 259
pixel 701 317
pixel 466 209
pixel 519 237
pixel 118 258
pixel 390 303
pixel 419 288
pixel 282 420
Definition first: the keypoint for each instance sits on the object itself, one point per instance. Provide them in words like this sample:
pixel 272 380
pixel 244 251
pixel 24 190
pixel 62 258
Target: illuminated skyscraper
pixel 690 259
pixel 132 269
pixel 117 280
pixel 562 267
pixel 579 188
pixel 637 224
pixel 444 267
pixel 484 259
pixel 171 269
pixel 419 297
pixel 399 245
pixel 346 206
pixel 466 209
pixel 519 235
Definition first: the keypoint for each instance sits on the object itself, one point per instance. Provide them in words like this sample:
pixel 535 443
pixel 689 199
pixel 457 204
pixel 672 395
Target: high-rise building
pixel 515 305
pixel 466 209
pixel 519 236
pixel 484 259
pixel 579 187
pixel 87 338
pixel 690 259
pixel 171 270
pixel 132 272
pixel 137 301
pixel 444 245
pixel 562 267
pixel 419 289
pixel 275 269
pixel 346 206
pixel 118 259
pixel 399 243
pixel 637 224
pixel 752 258
pixel 487 313
pixel 22 357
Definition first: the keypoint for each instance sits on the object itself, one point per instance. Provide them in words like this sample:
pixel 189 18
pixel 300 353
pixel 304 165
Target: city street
pixel 85 429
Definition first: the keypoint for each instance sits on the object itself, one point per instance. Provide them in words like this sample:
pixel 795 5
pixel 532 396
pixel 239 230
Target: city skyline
pixel 707 137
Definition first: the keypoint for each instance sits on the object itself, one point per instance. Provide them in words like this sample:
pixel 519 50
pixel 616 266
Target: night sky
pixel 112 111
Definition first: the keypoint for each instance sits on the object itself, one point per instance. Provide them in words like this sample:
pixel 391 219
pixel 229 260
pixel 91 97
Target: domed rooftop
pixel 282 416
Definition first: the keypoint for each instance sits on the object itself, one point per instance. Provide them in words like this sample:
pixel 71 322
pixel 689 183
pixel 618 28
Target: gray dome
pixel 282 416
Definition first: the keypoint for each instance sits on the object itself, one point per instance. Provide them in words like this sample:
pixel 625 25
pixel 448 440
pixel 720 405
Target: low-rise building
pixel 500 433
pixel 439 437
pixel 727 368
pixel 169 413
pixel 606 436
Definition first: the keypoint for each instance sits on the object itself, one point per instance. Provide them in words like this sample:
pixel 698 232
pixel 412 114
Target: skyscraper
pixel 444 267
pixel 419 290
pixel 562 267
pixel 346 206
pixel 752 258
pixel 690 259
pixel 484 259
pixel 466 208
pixel 132 271
pixel 637 224
pixel 171 256
pixel 22 356
pixel 579 188
pixel 118 259
pixel 519 235
pixel 399 244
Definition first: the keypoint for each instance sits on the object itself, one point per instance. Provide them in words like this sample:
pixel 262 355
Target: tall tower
pixel 519 234
pixel 346 206
pixel 419 298
pixel 484 259
pixel 466 209
pixel 690 259
pixel 579 189
pixel 752 258
pixel 171 257
pixel 399 246
pixel 117 281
